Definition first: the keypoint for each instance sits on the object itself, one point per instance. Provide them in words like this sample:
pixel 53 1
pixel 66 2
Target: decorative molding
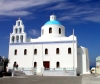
pixel 55 42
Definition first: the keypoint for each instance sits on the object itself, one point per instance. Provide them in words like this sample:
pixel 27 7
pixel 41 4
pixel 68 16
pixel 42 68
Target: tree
pixel 6 61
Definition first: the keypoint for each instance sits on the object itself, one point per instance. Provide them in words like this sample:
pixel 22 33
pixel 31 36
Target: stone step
pixel 19 73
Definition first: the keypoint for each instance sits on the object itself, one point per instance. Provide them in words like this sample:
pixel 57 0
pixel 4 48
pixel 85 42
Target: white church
pixel 52 53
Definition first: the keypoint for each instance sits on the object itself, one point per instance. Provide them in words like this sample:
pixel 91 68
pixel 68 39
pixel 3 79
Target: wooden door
pixel 46 64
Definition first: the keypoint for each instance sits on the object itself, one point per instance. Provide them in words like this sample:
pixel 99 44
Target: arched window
pixel 25 52
pixel 57 51
pixel 20 30
pixel 15 52
pixel 57 65
pixel 50 30
pixel 35 51
pixel 42 31
pixel 19 23
pixel 21 38
pixel 59 31
pixel 69 50
pixel 35 64
pixel 14 65
pixel 13 39
pixel 16 30
pixel 46 51
pixel 17 38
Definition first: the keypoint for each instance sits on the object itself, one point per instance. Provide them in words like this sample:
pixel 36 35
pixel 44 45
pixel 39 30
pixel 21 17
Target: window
pixel 35 64
pixel 46 51
pixel 42 31
pixel 57 51
pixel 18 23
pixel 25 52
pixel 13 39
pixel 59 31
pixel 50 30
pixel 21 38
pixel 69 50
pixel 20 30
pixel 17 38
pixel 15 52
pixel 57 65
pixel 14 65
pixel 35 51
pixel 16 30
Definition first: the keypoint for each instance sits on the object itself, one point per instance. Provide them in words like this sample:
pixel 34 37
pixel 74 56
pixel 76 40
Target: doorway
pixel 46 65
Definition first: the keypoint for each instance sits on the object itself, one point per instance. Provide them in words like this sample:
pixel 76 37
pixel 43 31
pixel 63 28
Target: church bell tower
pixel 18 35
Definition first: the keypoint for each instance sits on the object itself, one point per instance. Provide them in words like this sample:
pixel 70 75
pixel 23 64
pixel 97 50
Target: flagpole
pixel 73 49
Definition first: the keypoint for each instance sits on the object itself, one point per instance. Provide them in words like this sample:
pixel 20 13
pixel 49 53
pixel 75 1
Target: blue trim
pixel 42 42
pixel 52 22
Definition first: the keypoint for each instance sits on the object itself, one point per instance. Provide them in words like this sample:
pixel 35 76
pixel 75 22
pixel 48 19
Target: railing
pixel 24 70
pixel 59 72
pixel 21 69
pixel 58 69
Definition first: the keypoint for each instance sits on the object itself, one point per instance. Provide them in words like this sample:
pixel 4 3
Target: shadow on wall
pixel 79 60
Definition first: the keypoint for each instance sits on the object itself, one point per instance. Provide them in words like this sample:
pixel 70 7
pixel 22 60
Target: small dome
pixel 52 22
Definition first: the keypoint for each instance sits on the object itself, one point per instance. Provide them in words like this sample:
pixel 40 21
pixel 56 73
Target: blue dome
pixel 52 22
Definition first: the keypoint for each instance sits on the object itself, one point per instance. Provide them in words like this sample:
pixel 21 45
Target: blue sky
pixel 81 15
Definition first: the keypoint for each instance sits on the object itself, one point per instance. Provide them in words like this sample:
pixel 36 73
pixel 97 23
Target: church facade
pixel 52 50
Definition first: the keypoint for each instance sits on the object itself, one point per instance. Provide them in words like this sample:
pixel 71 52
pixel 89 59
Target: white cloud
pixel 93 18
pixel 61 6
pixel 71 11
pixel 78 12
pixel 34 32
pixel 65 18
pixel 81 13
pixel 18 6
pixel 15 13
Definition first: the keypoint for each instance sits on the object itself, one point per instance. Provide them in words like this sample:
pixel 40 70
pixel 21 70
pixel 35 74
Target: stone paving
pixel 41 80
pixel 86 79
pixel 91 79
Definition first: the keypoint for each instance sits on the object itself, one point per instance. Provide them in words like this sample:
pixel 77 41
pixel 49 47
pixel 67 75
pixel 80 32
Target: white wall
pixel 66 60
pixel 55 31
pixel 83 60
pixel 88 61
pixel 79 60
pixel 98 61
pixel 20 58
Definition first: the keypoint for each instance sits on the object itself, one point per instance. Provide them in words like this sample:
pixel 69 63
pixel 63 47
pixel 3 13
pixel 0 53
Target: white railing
pixel 20 68
pixel 25 70
pixel 32 70
pixel 59 72
pixel 58 69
